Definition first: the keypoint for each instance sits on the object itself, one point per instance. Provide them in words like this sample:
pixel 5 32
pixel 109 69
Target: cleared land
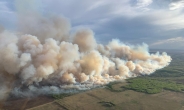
pixel 25 103
pixel 104 99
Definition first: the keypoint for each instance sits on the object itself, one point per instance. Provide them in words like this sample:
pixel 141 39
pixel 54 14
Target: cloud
pixel 127 30
pixel 172 43
pixel 171 40
pixel 132 21
pixel 7 15
pixel 170 20
pixel 176 4
pixel 143 3
pixel 3 6
pixel 28 6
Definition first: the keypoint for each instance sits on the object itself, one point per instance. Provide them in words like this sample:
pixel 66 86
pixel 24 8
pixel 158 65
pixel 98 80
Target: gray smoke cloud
pixel 54 27
pixel 45 58
pixel 1 28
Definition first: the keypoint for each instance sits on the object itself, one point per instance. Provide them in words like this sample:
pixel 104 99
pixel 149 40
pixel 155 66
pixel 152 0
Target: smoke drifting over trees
pixel 45 58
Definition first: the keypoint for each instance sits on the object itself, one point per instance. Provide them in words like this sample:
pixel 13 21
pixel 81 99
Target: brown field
pixel 102 99
pixel 25 103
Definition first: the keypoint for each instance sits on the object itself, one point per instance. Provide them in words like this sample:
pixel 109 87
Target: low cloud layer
pixel 167 42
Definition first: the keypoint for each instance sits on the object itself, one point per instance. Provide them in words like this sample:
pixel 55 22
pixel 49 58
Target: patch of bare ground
pixel 25 103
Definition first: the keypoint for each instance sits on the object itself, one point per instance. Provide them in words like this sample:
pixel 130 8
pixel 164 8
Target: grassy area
pixel 103 99
pixel 107 104
pixel 152 86
pixel 112 89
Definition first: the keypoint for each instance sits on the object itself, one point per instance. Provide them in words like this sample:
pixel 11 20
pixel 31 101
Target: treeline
pixel 168 73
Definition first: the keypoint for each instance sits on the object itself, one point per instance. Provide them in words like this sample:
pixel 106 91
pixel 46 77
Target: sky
pixel 159 23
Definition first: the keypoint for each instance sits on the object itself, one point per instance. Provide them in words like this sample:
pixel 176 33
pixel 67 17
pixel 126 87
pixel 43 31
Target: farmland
pixel 104 99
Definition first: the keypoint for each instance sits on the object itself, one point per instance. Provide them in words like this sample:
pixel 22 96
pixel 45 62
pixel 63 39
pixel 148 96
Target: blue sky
pixel 159 23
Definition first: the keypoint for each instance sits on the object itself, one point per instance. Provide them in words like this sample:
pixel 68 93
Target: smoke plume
pixel 45 58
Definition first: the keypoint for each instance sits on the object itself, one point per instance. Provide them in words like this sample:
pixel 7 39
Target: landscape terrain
pixel 162 90
pixel 91 55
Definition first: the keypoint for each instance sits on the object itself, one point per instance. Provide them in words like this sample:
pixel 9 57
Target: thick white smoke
pixel 43 61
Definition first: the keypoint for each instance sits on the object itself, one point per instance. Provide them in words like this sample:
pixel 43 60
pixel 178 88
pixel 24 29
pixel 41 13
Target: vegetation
pixel 152 86
pixel 110 87
pixel 60 96
pixel 134 102
pixel 107 104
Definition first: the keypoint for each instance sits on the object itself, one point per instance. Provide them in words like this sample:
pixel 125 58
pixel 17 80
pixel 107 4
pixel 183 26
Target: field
pixel 162 90
pixel 104 99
